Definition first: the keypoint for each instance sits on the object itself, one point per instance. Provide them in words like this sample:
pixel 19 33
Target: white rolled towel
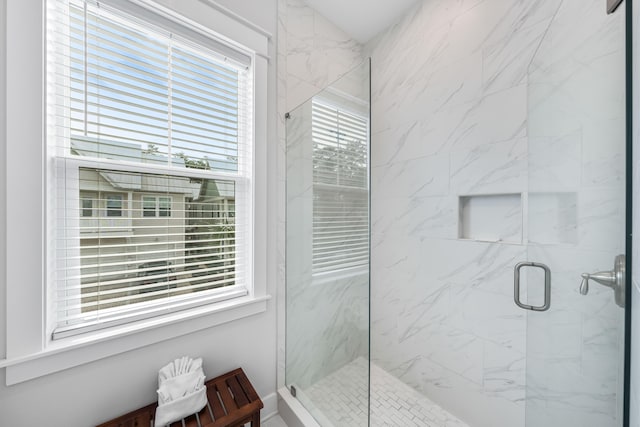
pixel 181 390
pixel 177 387
pixel 180 408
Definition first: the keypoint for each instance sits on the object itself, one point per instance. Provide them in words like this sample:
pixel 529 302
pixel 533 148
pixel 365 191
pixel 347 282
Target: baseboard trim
pixel 270 409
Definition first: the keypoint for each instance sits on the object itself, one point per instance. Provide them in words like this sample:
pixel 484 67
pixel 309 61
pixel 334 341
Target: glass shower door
pixel 575 215
pixel 327 269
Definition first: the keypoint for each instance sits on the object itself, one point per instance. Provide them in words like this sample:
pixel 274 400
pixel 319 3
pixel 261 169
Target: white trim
pixel 270 408
pixel 78 350
pixel 24 106
pixel 235 31
pixel 231 14
pixel 155 8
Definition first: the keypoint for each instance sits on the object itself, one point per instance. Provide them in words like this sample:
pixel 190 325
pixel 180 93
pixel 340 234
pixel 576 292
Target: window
pixel 153 206
pixel 164 206
pixel 144 109
pixel 87 206
pixel 114 205
pixel 340 189
pixel 34 277
pixel 149 206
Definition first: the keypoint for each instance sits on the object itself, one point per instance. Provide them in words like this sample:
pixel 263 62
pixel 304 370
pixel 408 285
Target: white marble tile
pixel 553 218
pixel 298 91
pixel 481 265
pixel 488 315
pixel 555 163
pixel 504 373
pixel 498 168
pixel 422 177
pixel 506 63
pixel 497 117
pixel 488 21
pixel 423 217
pixel 603 164
pixel 601 219
pixel 401 143
pixel 427 313
pixel 327 326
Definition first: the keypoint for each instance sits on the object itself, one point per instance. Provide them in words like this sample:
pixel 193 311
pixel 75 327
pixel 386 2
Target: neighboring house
pixel 158 233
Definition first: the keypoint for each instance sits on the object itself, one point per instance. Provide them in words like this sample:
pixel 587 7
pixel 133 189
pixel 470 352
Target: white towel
pixel 181 390
pixel 180 408
pixel 177 387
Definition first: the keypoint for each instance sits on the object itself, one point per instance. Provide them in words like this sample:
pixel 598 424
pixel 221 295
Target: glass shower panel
pixel 327 274
pixel 575 217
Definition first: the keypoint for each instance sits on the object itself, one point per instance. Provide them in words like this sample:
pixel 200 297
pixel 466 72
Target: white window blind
pixel 340 189
pixel 152 135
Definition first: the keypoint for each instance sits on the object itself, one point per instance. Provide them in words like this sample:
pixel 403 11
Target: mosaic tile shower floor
pixel 341 399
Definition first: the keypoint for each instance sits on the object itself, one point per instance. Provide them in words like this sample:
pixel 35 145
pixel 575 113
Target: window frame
pixel 30 351
pixel 114 205
pixel 156 204
pixel 84 196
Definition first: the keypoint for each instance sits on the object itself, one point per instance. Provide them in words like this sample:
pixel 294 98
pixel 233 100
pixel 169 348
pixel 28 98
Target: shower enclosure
pixel 456 224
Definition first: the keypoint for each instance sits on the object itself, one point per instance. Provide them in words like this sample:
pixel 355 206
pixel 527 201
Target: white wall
pixel 95 392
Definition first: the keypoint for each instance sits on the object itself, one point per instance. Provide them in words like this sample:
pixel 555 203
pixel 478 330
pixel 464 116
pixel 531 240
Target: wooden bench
pixel 233 402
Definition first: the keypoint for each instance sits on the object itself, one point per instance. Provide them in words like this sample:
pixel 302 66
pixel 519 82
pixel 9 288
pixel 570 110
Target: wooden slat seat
pixel 233 402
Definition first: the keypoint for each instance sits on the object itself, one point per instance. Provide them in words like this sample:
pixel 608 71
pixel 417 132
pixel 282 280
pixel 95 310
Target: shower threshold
pixel 341 399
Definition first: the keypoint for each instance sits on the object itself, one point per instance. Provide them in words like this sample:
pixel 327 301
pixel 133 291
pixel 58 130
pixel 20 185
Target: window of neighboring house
pixel 86 209
pixel 114 205
pixel 340 190
pixel 142 108
pixel 153 206
pixel 149 206
pixel 164 206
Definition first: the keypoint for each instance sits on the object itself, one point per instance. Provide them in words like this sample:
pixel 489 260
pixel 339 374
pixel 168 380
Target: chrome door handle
pixel 614 279
pixel 547 286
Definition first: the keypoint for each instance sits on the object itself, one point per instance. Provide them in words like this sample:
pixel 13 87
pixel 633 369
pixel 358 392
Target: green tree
pixel 193 163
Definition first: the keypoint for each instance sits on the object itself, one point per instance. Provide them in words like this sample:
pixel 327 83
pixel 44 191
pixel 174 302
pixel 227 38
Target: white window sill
pixel 74 351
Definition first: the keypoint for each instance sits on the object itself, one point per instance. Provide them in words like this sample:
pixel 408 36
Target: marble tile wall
pixel 489 97
pixel 326 324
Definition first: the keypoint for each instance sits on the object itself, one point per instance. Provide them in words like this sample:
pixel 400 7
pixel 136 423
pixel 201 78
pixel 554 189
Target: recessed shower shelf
pixel 491 218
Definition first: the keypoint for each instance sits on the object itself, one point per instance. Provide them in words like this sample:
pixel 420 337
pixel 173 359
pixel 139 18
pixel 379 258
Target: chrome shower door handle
pixel 547 286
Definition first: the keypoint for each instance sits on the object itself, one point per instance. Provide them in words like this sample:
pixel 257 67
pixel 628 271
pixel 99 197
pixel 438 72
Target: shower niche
pixel 493 218
pixel 544 218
